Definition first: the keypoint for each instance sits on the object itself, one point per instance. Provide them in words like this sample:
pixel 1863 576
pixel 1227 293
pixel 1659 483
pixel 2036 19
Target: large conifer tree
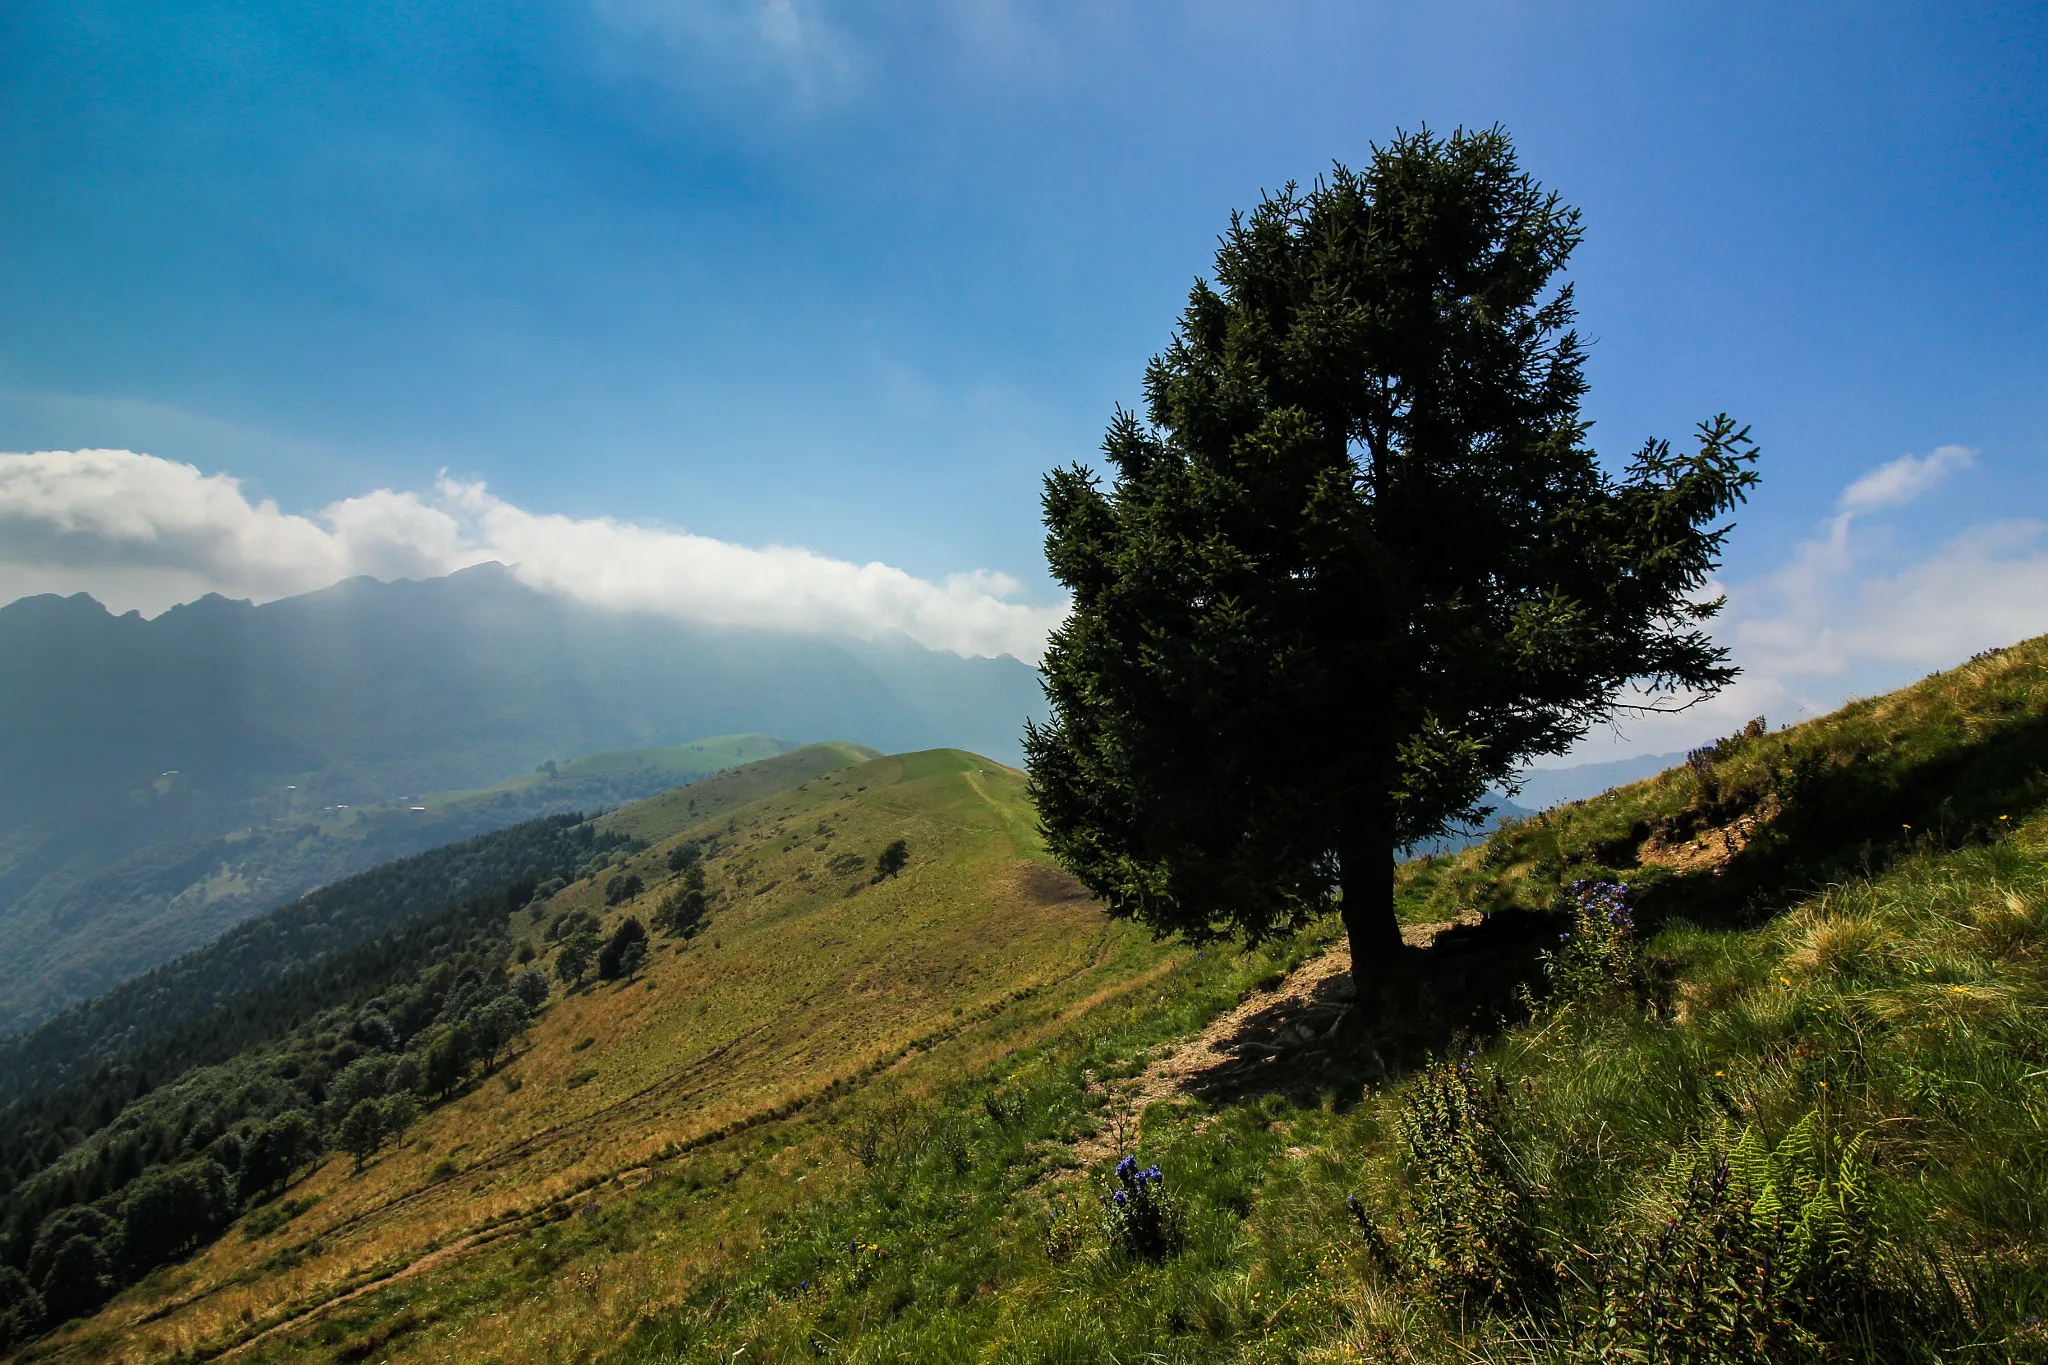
pixel 1361 561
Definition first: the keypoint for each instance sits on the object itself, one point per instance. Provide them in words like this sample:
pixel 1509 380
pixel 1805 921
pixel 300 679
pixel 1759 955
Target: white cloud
pixel 1837 619
pixel 1904 479
pixel 141 532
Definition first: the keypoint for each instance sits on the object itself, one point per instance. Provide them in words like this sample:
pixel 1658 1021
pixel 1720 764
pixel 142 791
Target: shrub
pixel 1761 1256
pixel 618 890
pixel 1598 962
pixel 361 1132
pixel 572 961
pixel 1469 1223
pixel 892 860
pixel 531 986
pixel 681 911
pixel 1138 1215
pixel 613 959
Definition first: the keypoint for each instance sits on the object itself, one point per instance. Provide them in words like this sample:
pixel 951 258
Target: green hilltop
pixel 1743 1062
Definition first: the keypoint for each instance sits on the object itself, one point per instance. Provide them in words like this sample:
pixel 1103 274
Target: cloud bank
pixel 145 533
pixel 1842 614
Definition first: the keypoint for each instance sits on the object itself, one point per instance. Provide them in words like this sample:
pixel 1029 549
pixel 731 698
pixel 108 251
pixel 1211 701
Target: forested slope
pixel 812 975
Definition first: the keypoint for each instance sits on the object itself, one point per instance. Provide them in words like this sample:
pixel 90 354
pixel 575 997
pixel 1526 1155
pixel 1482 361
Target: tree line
pixel 154 1153
pixel 299 943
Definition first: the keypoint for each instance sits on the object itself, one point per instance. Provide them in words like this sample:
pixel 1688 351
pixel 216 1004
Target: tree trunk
pixel 1367 866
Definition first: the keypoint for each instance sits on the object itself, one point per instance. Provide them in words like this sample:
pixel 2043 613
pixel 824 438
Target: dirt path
pixel 1272 1040
pixel 425 1263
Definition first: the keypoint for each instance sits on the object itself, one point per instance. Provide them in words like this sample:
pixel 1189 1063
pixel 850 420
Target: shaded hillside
pixel 96 921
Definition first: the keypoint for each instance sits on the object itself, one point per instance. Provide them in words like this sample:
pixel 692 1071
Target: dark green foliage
pixel 362 1130
pixel 21 1307
pixel 682 910
pixel 573 960
pixel 172 1209
pixel 274 1151
pixel 79 1279
pixel 618 890
pixel 892 860
pixel 531 986
pixel 58 1231
pixel 1360 562
pixel 497 1025
pixel 625 952
pixel 169 1017
pixel 684 856
pixel 1469 1224
pixel 445 1064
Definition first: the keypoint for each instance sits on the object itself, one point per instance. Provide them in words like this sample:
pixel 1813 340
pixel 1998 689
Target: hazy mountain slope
pixel 129 748
pixel 96 922
pixel 378 690
pixel 103 1043
pixel 597 782
pixel 1542 788
pixel 810 982
pixel 131 1019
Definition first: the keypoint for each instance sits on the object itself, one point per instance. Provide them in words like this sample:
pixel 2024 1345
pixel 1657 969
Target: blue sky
pixel 850 278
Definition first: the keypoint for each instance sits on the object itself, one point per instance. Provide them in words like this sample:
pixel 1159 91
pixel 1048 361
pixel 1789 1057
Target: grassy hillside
pixel 1746 1062
pixel 717 1066
pixel 83 927
pixel 660 816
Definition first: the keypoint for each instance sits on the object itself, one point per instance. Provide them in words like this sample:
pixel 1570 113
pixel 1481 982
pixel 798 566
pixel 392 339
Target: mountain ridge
pixel 124 737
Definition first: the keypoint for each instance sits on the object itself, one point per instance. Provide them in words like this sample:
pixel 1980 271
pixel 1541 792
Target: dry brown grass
pixel 791 995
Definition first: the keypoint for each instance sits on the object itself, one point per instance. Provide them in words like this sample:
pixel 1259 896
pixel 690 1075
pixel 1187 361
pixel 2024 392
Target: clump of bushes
pixel 1759 1255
